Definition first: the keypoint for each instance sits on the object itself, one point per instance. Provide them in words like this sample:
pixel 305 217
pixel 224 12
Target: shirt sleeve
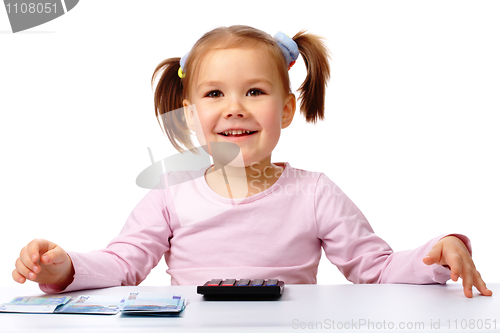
pixel 350 243
pixel 131 255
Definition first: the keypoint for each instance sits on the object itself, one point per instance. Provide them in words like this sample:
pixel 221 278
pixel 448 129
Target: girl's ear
pixel 288 111
pixel 188 114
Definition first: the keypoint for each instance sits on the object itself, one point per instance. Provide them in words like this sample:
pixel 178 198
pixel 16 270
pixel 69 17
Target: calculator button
pixel 214 282
pixel 272 282
pixel 243 282
pixel 257 282
pixel 228 282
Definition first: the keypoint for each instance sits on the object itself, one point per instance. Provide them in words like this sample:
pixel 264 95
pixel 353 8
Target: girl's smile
pixel 237 135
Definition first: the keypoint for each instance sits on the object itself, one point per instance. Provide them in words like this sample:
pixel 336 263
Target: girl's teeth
pixel 236 132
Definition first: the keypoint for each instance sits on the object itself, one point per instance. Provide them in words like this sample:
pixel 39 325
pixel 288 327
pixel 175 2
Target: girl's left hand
pixel 451 251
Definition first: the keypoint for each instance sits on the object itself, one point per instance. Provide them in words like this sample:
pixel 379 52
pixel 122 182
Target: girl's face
pixel 239 90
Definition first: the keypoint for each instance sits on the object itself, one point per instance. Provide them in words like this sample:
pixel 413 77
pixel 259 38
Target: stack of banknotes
pixel 135 303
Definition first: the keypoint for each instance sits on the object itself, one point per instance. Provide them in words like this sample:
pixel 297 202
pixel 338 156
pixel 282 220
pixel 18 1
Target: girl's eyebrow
pixel 248 82
pixel 259 80
pixel 209 84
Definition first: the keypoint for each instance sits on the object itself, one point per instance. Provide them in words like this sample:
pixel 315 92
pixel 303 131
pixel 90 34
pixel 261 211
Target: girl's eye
pixel 255 92
pixel 214 94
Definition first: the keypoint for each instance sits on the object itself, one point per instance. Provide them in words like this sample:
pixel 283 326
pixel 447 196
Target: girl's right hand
pixel 44 262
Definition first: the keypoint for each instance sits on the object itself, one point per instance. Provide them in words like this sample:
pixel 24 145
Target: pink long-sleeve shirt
pixel 277 233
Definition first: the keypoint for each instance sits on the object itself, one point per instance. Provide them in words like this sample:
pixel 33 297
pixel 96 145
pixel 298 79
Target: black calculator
pixel 244 289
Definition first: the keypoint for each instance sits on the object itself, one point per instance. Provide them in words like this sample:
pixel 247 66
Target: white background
pixel 411 129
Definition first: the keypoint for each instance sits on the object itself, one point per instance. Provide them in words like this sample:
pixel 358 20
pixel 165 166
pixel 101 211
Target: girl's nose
pixel 235 108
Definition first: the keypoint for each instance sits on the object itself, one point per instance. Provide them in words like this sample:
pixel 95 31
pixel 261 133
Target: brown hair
pixel 171 89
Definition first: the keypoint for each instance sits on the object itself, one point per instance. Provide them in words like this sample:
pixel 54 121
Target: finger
pixel 467 281
pixel 434 255
pixel 455 263
pixel 18 277
pixel 25 258
pixel 429 260
pixel 24 271
pixel 480 285
pixel 33 249
pixel 467 289
pixel 54 256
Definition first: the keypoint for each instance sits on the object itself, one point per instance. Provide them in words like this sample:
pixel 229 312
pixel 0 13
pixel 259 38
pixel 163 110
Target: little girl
pixel 244 216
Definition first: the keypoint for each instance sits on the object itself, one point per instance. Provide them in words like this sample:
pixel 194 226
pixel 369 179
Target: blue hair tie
pixel 182 69
pixel 288 47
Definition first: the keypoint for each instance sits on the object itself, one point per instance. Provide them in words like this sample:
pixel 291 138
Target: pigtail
pixel 168 99
pixel 313 89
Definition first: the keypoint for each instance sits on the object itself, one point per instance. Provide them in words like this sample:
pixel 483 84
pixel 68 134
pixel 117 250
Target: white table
pixel 302 308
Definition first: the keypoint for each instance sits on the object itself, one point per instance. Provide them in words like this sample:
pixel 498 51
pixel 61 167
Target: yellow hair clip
pixel 180 73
